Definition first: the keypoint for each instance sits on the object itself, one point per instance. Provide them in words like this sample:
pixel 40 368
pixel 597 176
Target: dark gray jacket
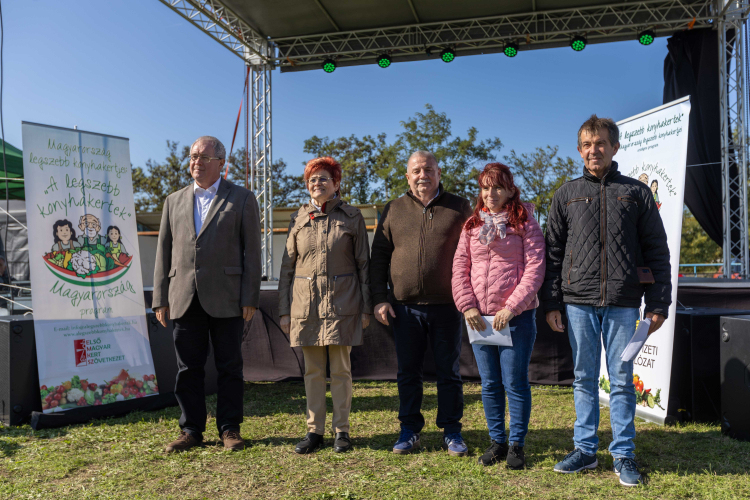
pixel 598 233
pixel 221 264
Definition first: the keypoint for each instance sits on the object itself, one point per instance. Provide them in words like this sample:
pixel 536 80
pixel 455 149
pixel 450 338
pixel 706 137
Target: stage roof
pixel 299 34
pixel 292 18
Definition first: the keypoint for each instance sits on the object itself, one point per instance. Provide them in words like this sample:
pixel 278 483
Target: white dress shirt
pixel 203 199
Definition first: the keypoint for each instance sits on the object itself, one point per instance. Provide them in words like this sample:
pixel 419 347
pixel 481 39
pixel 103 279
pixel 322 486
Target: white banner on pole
pixel 89 312
pixel 653 149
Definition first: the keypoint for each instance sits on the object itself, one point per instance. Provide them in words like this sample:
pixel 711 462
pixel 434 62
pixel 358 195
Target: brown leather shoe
pixel 182 443
pixel 233 441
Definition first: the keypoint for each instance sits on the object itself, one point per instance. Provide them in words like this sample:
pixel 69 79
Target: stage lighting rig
pixel 447 55
pixel 646 37
pixel 578 43
pixel 384 60
pixel 329 65
pixel 511 49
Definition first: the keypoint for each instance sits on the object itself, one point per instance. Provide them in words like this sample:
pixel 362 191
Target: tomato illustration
pixel 639 386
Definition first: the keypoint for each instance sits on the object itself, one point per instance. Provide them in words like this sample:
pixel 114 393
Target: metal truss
pixel 532 30
pixel 258 133
pixel 220 23
pixel 733 84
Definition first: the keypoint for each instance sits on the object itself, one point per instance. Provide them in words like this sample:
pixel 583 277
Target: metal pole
pixel 258 145
pixel 733 108
pixel 269 175
pixel 247 132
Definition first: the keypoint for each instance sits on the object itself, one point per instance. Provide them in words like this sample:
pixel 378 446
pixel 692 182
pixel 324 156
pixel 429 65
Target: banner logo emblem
pixel 80 351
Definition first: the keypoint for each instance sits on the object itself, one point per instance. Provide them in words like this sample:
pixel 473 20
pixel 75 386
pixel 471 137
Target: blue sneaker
pixel 454 443
pixel 627 470
pixel 408 442
pixel 576 461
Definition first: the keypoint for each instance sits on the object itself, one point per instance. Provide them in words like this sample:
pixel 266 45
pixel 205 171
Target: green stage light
pixel 329 65
pixel 447 55
pixel 578 43
pixel 511 49
pixel 646 37
pixel 384 60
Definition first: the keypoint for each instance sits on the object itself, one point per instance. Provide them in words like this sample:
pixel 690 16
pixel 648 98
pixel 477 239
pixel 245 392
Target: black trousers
pixel 192 333
pixel 440 325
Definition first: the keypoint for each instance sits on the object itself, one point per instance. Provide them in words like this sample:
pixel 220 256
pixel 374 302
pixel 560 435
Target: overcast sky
pixel 134 68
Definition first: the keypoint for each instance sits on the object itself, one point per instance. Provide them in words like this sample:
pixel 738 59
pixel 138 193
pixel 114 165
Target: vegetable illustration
pixel 84 263
pixel 643 396
pixel 77 392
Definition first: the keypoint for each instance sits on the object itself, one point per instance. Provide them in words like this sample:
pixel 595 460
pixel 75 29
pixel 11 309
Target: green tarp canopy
pixel 14 163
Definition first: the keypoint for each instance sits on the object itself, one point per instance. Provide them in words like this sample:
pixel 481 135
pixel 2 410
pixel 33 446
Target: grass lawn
pixel 124 457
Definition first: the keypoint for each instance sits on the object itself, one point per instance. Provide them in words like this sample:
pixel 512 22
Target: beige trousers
pixel 315 387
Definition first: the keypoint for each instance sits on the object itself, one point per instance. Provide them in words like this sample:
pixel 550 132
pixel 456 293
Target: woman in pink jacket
pixel 497 270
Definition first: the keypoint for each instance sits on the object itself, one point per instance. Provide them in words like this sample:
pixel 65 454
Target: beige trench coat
pixel 324 283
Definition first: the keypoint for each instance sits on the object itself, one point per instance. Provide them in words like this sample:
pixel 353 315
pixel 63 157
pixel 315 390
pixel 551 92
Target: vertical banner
pixel 653 149
pixel 87 292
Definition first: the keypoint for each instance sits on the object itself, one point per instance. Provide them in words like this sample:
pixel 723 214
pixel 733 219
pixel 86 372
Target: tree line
pixel 374 168
pixel 373 172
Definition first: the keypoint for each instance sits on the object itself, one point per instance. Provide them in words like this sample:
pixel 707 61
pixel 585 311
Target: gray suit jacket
pixel 222 264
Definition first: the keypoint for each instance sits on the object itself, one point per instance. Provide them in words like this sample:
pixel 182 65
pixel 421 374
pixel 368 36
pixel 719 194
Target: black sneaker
pixel 516 459
pixel 342 444
pixel 308 445
pixel 493 454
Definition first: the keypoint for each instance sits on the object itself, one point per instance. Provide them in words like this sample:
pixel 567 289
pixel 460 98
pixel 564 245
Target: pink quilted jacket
pixel 507 273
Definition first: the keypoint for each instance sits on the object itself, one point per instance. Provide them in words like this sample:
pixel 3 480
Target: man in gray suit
pixel 207 279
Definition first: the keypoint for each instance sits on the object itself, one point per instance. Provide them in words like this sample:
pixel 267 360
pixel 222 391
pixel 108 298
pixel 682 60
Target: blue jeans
pixel 440 325
pixel 506 370
pixel 588 327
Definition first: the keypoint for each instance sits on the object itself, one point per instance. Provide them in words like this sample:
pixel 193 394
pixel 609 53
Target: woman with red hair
pixel 498 269
pixel 324 297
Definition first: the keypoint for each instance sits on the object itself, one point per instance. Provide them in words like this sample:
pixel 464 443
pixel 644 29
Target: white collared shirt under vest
pixel 203 199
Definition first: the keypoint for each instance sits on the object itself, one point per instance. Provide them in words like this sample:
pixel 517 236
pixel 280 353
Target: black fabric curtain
pixel 692 68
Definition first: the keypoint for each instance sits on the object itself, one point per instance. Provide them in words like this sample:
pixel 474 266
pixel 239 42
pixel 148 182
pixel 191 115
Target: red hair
pixel 497 174
pixel 324 163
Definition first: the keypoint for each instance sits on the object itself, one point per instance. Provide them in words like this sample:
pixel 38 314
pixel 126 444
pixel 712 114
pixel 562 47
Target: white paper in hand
pixel 490 336
pixel 636 343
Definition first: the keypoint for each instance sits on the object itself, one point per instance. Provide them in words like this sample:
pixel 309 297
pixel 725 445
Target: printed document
pixel 490 336
pixel 636 343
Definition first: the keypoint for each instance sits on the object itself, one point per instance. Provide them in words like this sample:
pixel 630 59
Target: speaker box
pixel 695 392
pixel 735 377
pixel 19 378
pixel 19 375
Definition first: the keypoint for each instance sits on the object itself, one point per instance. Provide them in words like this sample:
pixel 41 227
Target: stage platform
pixel 268 356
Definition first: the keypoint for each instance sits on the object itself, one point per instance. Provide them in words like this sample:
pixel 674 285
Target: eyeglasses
pixel 318 180
pixel 203 158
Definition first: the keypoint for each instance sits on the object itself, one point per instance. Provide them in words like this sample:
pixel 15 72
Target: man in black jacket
pixel 602 228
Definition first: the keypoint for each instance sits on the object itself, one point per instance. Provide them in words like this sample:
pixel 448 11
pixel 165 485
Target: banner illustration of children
pixel 654 186
pixel 91 255
pixel 655 190
pixel 65 236
pixel 115 247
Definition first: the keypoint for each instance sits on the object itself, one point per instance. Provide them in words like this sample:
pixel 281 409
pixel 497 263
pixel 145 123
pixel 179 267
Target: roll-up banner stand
pixel 653 149
pixel 89 312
